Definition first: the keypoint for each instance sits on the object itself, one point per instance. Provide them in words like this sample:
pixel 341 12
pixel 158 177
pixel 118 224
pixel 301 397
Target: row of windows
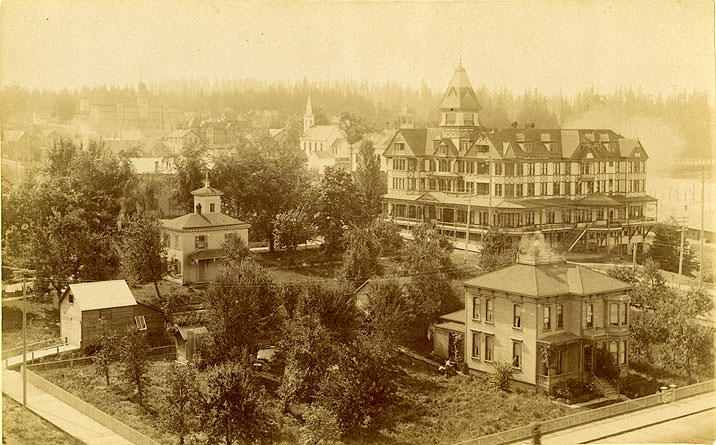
pixel 618 352
pixel 518 168
pixel 480 339
pixel 200 241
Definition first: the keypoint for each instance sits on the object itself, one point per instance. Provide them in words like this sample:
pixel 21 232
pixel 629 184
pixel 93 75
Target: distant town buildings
pixel 142 112
pixel 580 188
pixel 194 241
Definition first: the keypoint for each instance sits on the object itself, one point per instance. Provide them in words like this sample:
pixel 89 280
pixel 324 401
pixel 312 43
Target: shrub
pixel 573 390
pixel 321 427
pixel 635 385
pixel 503 374
pixel 604 367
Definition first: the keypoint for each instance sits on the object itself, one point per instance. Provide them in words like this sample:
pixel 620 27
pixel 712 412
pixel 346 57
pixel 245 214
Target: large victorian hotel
pixel 581 188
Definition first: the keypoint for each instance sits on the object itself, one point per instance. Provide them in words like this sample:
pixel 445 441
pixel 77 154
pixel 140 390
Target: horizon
pixel 375 43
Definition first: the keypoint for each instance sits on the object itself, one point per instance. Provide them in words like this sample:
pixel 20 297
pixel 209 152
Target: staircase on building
pixel 606 388
pixel 573 237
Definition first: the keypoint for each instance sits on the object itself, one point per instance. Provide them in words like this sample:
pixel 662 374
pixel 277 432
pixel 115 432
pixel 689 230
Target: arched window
pixel 613 351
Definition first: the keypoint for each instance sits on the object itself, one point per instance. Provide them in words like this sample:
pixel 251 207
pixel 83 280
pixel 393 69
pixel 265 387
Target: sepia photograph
pixel 347 222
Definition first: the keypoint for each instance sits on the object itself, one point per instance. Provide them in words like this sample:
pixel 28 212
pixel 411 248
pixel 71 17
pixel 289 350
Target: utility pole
pixel 701 234
pixel 467 228
pixel 681 249
pixel 24 341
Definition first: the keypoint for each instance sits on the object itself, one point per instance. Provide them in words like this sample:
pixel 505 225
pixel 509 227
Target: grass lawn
pixel 21 426
pixel 42 322
pixel 116 400
pixel 439 410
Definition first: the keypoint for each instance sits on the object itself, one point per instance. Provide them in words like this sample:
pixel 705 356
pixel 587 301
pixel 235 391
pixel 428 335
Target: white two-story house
pixel 194 241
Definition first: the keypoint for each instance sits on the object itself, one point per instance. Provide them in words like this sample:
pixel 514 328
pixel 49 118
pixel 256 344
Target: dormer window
pixel 399 146
pixel 450 118
pixel 469 119
pixel 464 145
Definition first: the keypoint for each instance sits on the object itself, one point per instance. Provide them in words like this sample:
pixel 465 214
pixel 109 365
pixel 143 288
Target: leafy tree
pixel 336 206
pixel 369 180
pixel 190 170
pixel 649 288
pixel 177 403
pixel 62 218
pixel 360 260
pixel 497 250
pixel 243 303
pixel 333 303
pixel 232 405
pixel 261 179
pixel 108 339
pixel 429 252
pixel 665 250
pixel 387 235
pixel 390 311
pixel 427 257
pixel 135 359
pixel 361 386
pixel 235 250
pixel 308 350
pixel 291 228
pixel 143 253
pixel 354 127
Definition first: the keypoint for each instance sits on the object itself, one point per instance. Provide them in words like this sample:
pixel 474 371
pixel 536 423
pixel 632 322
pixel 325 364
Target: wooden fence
pixel 31 347
pixel 90 411
pixel 158 353
pixel 560 423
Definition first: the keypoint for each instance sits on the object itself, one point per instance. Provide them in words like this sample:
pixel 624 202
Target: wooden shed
pixel 186 338
pixel 84 304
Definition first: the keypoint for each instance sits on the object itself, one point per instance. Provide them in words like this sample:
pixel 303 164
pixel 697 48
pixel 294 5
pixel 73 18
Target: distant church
pixel 324 145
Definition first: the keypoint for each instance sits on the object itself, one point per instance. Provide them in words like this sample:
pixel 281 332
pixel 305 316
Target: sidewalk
pixel 595 431
pixel 59 413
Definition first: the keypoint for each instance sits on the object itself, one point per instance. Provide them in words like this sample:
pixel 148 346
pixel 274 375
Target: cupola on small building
pixel 194 241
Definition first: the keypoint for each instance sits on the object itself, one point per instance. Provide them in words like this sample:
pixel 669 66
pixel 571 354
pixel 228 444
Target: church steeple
pixel 308 117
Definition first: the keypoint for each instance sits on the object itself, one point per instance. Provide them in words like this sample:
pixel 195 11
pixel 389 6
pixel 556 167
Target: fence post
pixel 672 388
pixel 663 390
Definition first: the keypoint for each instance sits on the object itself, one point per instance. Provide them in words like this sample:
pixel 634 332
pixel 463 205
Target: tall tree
pixel 308 350
pixel 369 180
pixel 497 250
pixel 360 260
pixel 243 303
pixel 235 250
pixel 333 303
pixel 191 165
pixel 665 250
pixel 293 227
pixel 143 253
pixel 61 220
pixel 261 179
pixel 135 360
pixel 109 346
pixel 390 311
pixel 427 257
pixel 336 206
pixel 177 405
pixel 361 386
pixel 233 406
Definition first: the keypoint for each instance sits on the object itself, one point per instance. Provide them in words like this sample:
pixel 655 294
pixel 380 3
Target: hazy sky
pixel 655 46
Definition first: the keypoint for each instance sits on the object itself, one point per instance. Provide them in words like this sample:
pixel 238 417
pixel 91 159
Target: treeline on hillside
pixel 687 114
